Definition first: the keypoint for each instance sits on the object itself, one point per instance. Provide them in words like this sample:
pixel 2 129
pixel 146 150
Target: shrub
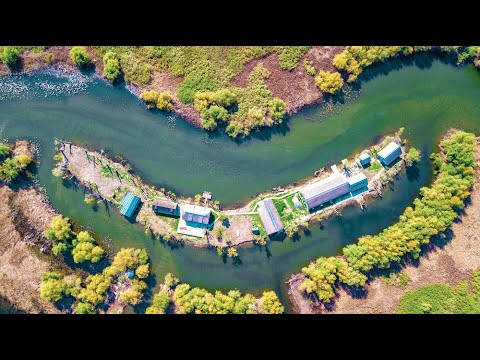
pixel 329 82
pixel 271 304
pixel 80 57
pixel 10 56
pixel 4 150
pixel 412 156
pixel 111 67
pixel 309 68
pixel 135 70
pixel 288 56
pixel 84 308
pixel 53 287
pixel 90 200
pixel 198 80
pixel 277 110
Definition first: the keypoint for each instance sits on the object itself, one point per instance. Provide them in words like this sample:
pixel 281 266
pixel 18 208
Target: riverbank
pixel 24 214
pixel 111 181
pixel 449 258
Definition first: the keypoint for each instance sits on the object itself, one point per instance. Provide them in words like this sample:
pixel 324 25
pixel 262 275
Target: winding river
pixel 425 96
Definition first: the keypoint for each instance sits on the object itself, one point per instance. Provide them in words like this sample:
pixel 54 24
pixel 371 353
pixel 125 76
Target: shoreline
pixel 110 180
pixel 439 262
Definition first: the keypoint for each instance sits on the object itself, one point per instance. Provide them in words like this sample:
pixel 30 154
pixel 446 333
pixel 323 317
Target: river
pixel 423 95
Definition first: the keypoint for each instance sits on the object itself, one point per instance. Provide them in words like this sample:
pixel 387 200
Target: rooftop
pixel 164 203
pixel 269 216
pixel 364 156
pixel 197 210
pixel 387 150
pixel 356 178
pixel 325 190
pixel 129 204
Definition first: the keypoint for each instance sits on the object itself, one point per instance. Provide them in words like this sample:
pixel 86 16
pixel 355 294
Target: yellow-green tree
pixel 329 82
pixel 271 304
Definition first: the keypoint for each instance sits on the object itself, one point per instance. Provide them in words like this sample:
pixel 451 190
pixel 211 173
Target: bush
pixel 4 150
pixel 198 80
pixel 329 82
pixel 288 56
pixel 111 67
pixel 271 304
pixel 53 287
pixel 90 200
pixel 309 68
pixel 135 70
pixel 80 57
pixel 171 280
pixel 162 101
pixel 277 110
pixel 10 56
pixel 412 156
pixel 84 308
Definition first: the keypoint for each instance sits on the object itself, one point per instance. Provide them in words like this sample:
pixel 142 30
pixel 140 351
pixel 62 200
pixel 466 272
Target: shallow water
pixel 427 97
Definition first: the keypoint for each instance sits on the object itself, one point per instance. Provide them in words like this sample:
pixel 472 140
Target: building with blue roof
pixel 364 159
pixel 129 204
pixel 389 153
pixel 357 181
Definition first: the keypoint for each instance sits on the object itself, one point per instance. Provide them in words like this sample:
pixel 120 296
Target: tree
pixel 94 290
pixel 90 200
pixel 412 156
pixel 59 229
pixel 53 287
pixel 277 109
pixel 84 308
pixel 126 258
pixel 160 303
pixel 225 98
pixel 150 98
pixel 111 67
pixel 142 271
pixel 80 57
pixel 10 56
pixel 134 295
pixel 220 232
pixel 4 150
pixel 23 160
pixel 171 280
pixel 329 82
pixel 271 304
pixel 232 252
pixel 84 248
pixel 212 116
pixel 197 199
pixel 164 101
pixel 9 170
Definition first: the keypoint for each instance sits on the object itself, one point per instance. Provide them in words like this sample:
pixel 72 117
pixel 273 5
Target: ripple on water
pixel 44 83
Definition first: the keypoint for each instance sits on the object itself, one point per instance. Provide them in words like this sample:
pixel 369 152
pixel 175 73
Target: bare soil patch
pixel 295 87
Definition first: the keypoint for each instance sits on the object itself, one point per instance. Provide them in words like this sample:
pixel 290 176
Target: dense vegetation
pixel 443 299
pixel 10 56
pixel 329 82
pixel 128 269
pixel 12 167
pixel 154 99
pixel 81 245
pixel 355 58
pixel 80 57
pixel 194 300
pixel 412 156
pixel 431 214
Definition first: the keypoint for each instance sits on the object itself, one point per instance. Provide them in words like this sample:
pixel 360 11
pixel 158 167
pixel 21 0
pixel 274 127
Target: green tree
pixel 111 67
pixel 59 229
pixel 9 170
pixel 80 57
pixel 90 200
pixel 220 232
pixel 84 248
pixel 10 56
pixel 271 304
pixel 164 101
pixel 171 280
pixel 224 98
pixel 232 252
pixel 412 156
pixel 84 308
pixel 329 82
pixel 94 289
pixel 142 271
pixel 4 150
pixel 53 287
pixel 160 303
pixel 23 160
pixel 277 109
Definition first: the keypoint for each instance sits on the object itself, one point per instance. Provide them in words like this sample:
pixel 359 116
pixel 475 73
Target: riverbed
pixel 423 95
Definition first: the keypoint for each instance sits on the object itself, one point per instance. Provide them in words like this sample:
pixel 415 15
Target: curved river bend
pixel 427 97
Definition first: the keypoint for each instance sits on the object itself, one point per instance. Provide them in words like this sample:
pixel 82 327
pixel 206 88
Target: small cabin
pixel 357 181
pixel 365 159
pixel 207 195
pixel 165 207
pixel 389 153
pixel 255 231
pixel 129 204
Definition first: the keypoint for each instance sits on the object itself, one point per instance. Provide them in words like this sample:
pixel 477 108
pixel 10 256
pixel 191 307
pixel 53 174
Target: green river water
pixel 423 95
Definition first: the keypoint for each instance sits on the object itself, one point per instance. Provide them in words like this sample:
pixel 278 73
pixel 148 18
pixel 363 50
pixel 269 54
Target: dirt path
pixel 449 264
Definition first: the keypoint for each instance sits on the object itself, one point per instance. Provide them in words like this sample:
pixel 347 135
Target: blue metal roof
pixel 389 153
pixel 129 204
